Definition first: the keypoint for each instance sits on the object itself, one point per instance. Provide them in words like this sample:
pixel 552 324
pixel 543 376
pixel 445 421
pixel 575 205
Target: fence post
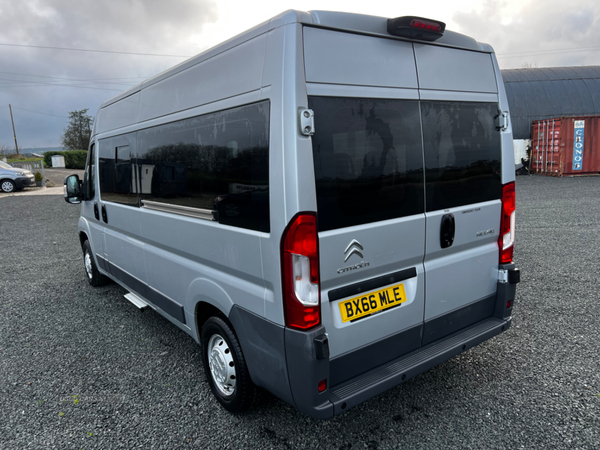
pixel 43 174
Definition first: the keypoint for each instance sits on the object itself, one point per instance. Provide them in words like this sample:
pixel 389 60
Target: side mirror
pixel 72 189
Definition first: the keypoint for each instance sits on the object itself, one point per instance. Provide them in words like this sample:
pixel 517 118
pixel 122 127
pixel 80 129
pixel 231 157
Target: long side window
pixel 217 163
pixel 368 160
pixel 117 169
pixel 462 153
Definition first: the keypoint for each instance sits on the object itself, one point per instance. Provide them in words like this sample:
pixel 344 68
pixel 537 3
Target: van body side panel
pixel 227 74
pixel 118 115
pixel 344 58
pixel 184 254
pixel 454 70
pixel 290 160
pixel 508 154
pixel 124 247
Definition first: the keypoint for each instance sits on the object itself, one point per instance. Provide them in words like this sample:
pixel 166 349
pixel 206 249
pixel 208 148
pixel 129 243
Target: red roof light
pixel 416 28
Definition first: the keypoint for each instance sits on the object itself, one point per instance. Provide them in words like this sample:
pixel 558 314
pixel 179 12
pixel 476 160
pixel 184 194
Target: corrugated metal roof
pixel 545 93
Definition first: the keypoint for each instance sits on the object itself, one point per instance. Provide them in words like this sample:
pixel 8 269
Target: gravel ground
pixel 81 368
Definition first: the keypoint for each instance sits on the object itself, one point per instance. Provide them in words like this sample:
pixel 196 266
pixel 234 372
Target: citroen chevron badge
pixel 353 247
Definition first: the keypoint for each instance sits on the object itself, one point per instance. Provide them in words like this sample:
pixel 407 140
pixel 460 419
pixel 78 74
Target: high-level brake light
pixel 300 266
pixel 507 224
pixel 416 28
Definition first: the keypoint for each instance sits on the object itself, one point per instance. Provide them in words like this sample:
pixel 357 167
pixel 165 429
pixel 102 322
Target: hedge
pixel 74 159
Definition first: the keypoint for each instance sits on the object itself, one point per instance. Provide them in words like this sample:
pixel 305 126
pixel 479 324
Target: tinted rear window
pixel 368 160
pixel 462 153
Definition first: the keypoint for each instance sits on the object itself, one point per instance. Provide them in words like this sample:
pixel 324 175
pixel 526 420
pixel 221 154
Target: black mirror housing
pixel 72 189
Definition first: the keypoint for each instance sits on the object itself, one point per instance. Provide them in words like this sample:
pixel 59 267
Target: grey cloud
pixel 145 26
pixel 543 26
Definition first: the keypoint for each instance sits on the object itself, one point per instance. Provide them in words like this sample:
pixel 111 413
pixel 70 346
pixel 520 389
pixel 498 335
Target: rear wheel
pixel 94 277
pixel 225 366
pixel 7 186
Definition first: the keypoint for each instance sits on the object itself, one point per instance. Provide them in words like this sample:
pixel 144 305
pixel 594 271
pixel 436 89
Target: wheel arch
pixel 83 237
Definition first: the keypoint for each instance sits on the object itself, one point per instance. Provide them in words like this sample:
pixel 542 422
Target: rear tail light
pixel 300 266
pixel 507 224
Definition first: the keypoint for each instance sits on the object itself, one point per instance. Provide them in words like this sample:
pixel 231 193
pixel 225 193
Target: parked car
pixel 14 179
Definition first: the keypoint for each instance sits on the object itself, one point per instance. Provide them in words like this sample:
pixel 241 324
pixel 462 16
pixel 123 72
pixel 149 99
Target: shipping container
pixel 566 146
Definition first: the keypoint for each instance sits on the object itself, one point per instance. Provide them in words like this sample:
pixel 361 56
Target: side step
pixel 138 302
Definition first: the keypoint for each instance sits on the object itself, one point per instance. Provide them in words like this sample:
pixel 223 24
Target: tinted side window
pixel 117 169
pixel 368 160
pixel 89 177
pixel 217 162
pixel 462 153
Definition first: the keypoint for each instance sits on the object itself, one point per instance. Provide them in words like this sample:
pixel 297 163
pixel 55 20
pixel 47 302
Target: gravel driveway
pixel 81 368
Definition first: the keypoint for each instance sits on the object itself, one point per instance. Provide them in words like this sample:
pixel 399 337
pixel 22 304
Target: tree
pixel 77 134
pixel 5 150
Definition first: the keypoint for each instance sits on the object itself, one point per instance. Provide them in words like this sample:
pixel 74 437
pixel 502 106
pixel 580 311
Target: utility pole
pixel 14 133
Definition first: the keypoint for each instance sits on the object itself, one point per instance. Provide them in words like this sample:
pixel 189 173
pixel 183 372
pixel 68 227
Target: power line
pixel 57 83
pixel 546 52
pixel 94 51
pixel 41 83
pixel 36 112
pixel 75 79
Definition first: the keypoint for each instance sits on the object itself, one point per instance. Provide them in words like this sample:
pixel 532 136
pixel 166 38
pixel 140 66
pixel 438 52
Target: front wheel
pixel 7 186
pixel 225 366
pixel 94 277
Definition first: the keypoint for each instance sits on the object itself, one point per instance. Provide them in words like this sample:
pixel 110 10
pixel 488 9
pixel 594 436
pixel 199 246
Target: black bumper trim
pixel 373 283
pixel 376 381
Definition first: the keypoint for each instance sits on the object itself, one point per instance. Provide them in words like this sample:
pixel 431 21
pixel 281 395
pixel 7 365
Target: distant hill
pixel 39 150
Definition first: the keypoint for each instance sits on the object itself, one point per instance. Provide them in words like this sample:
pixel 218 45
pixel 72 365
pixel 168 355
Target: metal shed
pixel 546 93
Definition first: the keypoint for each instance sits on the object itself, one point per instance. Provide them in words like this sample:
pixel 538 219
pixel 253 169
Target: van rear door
pixel 463 187
pixel 370 212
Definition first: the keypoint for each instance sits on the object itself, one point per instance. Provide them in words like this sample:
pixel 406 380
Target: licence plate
pixel 372 302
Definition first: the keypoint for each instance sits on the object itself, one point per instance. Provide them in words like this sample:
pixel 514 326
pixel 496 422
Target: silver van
pixel 325 203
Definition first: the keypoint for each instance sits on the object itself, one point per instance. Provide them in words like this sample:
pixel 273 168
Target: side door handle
pixel 96 212
pixel 447 230
pixel 104 216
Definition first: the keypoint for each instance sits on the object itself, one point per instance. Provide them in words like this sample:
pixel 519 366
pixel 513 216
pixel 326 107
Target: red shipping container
pixel 566 146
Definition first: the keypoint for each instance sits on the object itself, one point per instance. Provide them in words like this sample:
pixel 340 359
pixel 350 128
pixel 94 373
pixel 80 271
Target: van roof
pixel 357 23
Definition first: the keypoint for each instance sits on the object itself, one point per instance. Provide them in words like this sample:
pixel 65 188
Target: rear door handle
pixel 96 212
pixel 104 216
pixel 447 230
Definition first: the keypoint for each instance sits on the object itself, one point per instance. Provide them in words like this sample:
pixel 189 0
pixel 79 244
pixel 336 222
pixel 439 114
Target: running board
pixel 138 302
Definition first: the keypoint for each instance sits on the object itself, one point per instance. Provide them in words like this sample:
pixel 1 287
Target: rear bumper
pixel 305 370
pixel 362 376
pixel 376 381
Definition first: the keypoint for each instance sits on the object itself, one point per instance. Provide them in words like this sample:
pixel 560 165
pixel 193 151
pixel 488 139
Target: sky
pixel 101 48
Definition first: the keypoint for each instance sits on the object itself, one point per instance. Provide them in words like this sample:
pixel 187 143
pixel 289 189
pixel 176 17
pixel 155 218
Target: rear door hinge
pixel 502 121
pixel 307 122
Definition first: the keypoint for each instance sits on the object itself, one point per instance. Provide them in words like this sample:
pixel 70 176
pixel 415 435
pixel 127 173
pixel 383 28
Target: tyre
pixel 225 366
pixel 94 277
pixel 7 186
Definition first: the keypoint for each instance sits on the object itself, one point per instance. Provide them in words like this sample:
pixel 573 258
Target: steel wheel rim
pixel 7 186
pixel 87 259
pixel 222 366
